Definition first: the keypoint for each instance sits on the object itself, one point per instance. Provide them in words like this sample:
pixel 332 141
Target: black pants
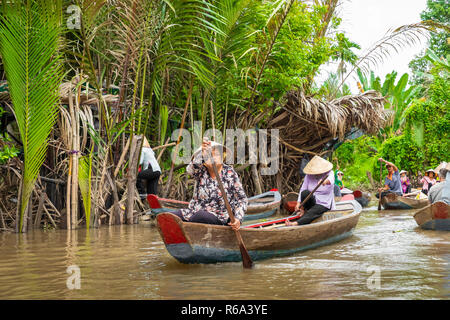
pixel 201 216
pixel 408 189
pixel 312 210
pixel 151 177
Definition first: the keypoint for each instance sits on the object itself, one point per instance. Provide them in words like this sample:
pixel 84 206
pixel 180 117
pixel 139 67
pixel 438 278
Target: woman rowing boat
pixel 323 199
pixel 392 183
pixel 207 204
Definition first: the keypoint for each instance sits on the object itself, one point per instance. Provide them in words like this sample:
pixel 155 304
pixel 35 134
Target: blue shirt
pixel 395 184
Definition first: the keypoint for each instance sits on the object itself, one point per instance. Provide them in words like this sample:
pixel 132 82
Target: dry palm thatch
pixel 86 98
pixel 309 123
pixel 308 126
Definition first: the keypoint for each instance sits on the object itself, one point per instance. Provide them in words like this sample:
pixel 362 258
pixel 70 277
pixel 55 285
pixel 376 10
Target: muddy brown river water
pixel 387 257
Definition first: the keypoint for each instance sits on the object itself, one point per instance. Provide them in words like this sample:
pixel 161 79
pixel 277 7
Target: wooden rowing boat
pixel 393 201
pixel 434 217
pixel 204 243
pixel 260 206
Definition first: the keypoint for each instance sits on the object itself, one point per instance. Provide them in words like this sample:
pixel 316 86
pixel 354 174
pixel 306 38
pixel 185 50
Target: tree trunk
pixel 131 177
pixel 256 179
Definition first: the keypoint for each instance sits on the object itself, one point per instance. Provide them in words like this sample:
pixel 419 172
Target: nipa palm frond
pixel 84 181
pixel 29 41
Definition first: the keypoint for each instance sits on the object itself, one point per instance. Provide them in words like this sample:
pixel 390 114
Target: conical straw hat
pixel 146 144
pixel 317 165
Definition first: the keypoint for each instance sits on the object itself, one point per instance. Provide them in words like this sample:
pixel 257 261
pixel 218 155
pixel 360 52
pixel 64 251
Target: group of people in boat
pixel 208 205
pixel 398 182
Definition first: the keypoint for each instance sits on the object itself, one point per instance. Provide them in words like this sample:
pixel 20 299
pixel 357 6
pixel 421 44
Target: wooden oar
pixel 246 260
pixel 381 182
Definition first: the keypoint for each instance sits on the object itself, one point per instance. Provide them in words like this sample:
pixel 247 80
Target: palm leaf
pixel 29 48
pixel 84 182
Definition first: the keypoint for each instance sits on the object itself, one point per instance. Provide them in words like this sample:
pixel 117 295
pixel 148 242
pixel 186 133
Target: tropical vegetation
pixel 87 79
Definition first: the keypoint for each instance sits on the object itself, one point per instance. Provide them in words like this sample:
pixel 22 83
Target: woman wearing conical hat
pixel 428 181
pixel 150 169
pixel 323 198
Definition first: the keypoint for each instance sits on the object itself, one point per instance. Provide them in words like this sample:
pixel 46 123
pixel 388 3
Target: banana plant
pixel 397 94
pixel 29 45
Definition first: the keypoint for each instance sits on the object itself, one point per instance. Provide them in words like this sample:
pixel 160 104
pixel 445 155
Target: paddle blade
pixel 246 260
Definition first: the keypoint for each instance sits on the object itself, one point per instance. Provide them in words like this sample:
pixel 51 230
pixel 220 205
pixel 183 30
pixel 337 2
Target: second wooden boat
pixel 204 243
pixel 260 206
pixel 393 201
pixel 434 217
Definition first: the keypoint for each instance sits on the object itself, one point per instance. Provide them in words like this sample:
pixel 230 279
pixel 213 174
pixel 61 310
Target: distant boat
pixel 190 242
pixel 434 217
pixel 392 201
pixel 260 206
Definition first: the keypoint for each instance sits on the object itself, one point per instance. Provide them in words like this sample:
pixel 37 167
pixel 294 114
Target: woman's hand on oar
pixel 235 223
pixel 300 206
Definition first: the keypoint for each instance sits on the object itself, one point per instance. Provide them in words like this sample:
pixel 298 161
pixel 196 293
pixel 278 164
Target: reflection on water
pixel 130 262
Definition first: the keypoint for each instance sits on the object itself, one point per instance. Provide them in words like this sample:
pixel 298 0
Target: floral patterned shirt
pixel 207 195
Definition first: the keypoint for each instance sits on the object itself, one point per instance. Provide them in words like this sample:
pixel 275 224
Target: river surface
pixel 387 257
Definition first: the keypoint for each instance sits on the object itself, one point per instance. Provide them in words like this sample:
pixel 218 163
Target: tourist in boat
pixel 392 183
pixel 207 204
pixel 323 198
pixel 406 184
pixel 428 181
pixel 150 169
pixel 441 191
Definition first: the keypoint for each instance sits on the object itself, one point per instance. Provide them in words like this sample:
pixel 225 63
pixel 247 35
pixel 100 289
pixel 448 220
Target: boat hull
pixel 203 243
pixel 260 206
pixel 434 217
pixel 395 202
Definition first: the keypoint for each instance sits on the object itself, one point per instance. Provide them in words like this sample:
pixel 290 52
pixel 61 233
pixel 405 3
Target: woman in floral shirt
pixel 207 204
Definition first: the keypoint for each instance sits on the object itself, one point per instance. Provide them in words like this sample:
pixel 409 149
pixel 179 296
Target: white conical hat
pixel 318 165
pixel 146 144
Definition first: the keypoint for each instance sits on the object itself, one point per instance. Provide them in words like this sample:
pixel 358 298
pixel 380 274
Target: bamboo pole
pixel 73 183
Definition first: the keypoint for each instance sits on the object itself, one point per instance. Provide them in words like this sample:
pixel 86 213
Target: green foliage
pixel 7 152
pixel 399 97
pixel 424 143
pixel 85 184
pixel 355 158
pixel 404 153
pixel 298 53
pixel 29 48
pixel 437 10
